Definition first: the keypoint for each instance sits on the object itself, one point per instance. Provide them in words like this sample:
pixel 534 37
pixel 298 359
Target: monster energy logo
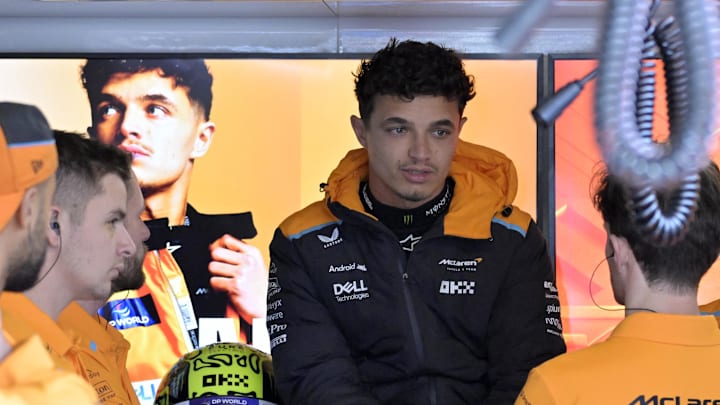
pixel 407 219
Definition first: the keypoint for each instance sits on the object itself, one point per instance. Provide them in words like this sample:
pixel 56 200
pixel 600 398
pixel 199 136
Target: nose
pixel 126 246
pixel 419 147
pixel 132 122
pixel 145 231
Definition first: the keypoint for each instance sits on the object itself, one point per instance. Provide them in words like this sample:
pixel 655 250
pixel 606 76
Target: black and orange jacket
pixel 459 320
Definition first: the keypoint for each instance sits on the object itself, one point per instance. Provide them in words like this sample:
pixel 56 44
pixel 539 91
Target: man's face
pixel 25 262
pixel 132 277
pixel 410 147
pixel 152 118
pixel 103 233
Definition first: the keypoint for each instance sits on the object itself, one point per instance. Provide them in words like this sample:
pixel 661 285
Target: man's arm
pixel 311 358
pixel 525 328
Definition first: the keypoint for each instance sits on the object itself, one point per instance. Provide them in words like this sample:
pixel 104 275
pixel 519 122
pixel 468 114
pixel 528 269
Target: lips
pixel 417 175
pixel 135 149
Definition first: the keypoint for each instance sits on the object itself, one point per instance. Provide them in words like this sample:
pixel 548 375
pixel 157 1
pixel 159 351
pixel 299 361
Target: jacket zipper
pixel 416 331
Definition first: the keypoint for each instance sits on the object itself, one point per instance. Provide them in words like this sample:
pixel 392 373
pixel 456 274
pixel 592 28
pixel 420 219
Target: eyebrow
pixel 120 213
pixel 159 98
pixel 403 121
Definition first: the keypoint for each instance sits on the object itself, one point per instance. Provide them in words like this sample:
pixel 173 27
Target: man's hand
pixel 239 269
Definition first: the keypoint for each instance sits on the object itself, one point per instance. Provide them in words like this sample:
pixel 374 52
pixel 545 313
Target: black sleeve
pixel 311 359
pixel 525 327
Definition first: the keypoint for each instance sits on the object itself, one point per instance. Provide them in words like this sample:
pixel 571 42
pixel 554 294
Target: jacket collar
pixel 485 182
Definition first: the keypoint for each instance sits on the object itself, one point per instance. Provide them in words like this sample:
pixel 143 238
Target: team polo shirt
pixel 22 319
pixel 29 376
pixel 107 347
pixel 649 359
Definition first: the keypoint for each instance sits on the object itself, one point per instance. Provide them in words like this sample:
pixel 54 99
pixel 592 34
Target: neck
pixel 169 202
pixel 90 306
pixel 663 300
pixel 53 293
pixel 5 346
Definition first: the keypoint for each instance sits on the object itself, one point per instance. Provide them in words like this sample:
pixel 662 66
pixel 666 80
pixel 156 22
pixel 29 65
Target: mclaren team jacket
pixel 460 320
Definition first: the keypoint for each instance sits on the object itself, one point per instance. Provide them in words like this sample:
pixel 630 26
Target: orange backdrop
pixel 283 125
pixel 580 236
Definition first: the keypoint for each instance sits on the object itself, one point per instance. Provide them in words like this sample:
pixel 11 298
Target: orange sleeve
pixel 28 376
pixel 535 391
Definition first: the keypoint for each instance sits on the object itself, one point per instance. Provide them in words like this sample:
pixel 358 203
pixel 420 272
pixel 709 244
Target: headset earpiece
pixel 55 226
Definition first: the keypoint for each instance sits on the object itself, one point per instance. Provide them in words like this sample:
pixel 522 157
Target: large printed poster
pixel 273 131
pixel 589 310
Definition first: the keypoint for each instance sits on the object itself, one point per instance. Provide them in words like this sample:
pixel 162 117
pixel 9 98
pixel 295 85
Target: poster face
pixel 580 237
pixel 280 126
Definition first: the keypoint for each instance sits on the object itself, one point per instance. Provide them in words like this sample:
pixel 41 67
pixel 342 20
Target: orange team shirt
pixel 648 359
pixel 28 376
pixel 22 319
pixel 110 347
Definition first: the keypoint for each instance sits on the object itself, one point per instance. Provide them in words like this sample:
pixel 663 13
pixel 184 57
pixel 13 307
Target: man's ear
pixel 203 140
pixel 358 127
pixel 622 253
pixel 29 208
pixel 53 232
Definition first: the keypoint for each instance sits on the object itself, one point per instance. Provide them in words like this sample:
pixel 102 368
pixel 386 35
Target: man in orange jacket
pixel 664 351
pixel 28 159
pixel 81 323
pixel 89 247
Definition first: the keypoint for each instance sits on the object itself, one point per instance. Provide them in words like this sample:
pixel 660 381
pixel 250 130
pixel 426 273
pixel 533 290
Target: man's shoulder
pixel 513 218
pixel 22 318
pixel 313 217
pixel 29 376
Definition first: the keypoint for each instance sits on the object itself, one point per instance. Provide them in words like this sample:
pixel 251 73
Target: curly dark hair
pixel 410 68
pixel 192 74
pixel 682 265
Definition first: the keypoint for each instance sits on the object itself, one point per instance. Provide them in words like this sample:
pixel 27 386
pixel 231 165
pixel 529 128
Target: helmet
pixel 220 373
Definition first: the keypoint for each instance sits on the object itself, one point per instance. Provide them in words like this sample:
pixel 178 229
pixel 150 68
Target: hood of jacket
pixel 485 183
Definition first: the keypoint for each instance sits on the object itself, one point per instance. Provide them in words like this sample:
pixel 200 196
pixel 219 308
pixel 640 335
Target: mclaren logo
pixel 460 265
pixel 676 400
pixel 331 240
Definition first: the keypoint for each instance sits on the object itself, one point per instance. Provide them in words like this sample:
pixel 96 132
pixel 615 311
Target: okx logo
pixel 452 287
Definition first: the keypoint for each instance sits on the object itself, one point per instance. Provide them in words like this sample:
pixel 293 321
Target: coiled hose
pixel 623 112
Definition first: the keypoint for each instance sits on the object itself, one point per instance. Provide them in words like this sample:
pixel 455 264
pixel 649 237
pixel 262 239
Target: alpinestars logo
pixel 331 240
pixel 452 287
